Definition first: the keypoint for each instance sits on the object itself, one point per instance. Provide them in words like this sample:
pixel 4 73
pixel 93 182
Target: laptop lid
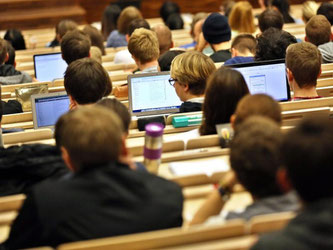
pixel 47 108
pixel 49 67
pixel 267 77
pixel 151 94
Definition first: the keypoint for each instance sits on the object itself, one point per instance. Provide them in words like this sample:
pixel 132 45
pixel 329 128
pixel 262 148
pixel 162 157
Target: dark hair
pixel 165 60
pixel 224 89
pixel 272 44
pixel 270 18
pixel 87 81
pixel 326 9
pixel 64 26
pixel 244 42
pixel 75 45
pixel 16 38
pixel 11 54
pixel 109 19
pixel 307 152
pixel 283 7
pixel 167 9
pixel 255 156
pixel 96 37
pixel 136 24
pixel 175 22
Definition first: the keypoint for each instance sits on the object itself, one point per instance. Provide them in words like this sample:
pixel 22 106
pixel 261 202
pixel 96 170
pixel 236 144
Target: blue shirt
pixel 239 59
pixel 115 39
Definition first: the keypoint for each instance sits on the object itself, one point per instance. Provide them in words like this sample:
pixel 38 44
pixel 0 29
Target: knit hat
pixel 216 29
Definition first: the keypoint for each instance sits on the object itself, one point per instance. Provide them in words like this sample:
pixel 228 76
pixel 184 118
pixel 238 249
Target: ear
pixel 232 120
pixel 65 156
pixel 283 180
pixel 172 45
pixel 319 73
pixel 290 75
pixel 306 39
pixel 186 87
pixel 127 37
pixel 7 57
pixel 234 52
pixel 14 64
pixel 124 151
pixel 89 56
pixel 72 103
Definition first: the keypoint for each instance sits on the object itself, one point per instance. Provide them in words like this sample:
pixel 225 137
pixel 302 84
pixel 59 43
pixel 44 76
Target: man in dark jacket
pixel 104 197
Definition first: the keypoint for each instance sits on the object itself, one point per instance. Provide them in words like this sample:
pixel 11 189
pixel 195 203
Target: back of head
pixel 326 9
pixel 216 29
pixel 86 81
pixel 309 10
pixel 96 37
pixel 169 8
pixel 109 19
pixel 3 51
pixel 270 18
pixel 318 30
pixel 272 44
pixel 11 54
pixel 96 54
pixel 166 59
pixel 164 37
pixel 175 22
pixel 143 45
pixel 75 45
pixel 16 38
pixel 196 18
pixel 224 89
pixel 241 18
pixel 90 144
pixel 244 43
pixel 64 26
pixel 126 17
pixel 255 156
pixel 136 24
pixel 307 152
pixel 283 7
pixel 304 61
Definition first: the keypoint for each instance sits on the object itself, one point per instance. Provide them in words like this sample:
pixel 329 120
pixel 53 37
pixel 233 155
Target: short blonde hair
pixel 143 45
pixel 192 68
pixel 309 10
pixel 126 17
pixel 241 18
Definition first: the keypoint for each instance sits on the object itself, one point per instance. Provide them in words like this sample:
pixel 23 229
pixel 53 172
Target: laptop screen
pixel 266 78
pixel 151 94
pixel 49 67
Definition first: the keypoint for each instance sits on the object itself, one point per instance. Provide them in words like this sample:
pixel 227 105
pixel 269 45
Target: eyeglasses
pixel 172 81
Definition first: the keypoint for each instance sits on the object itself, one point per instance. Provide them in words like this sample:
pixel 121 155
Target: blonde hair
pixel 241 18
pixel 143 45
pixel 192 68
pixel 126 17
pixel 309 10
pixel 95 53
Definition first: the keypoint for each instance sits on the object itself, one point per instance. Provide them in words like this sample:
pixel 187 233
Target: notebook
pixel 49 67
pixel 267 77
pixel 47 108
pixel 151 94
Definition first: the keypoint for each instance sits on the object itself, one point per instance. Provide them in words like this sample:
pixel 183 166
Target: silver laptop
pixel 47 108
pixel 49 67
pixel 151 94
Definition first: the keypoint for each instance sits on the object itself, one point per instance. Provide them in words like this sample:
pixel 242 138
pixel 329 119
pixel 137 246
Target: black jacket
pixel 190 107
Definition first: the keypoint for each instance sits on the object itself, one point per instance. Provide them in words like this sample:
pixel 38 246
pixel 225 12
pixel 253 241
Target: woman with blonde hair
pixel 241 18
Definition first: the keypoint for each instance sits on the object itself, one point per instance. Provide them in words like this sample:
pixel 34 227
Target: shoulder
pixel 190 107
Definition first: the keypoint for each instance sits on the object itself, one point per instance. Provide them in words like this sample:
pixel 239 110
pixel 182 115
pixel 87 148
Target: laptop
pixel 267 77
pixel 151 94
pixel 47 108
pixel 49 67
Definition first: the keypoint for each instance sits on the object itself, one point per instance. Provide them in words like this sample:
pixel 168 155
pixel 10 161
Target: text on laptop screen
pixel 49 109
pixel 150 93
pixel 49 67
pixel 266 79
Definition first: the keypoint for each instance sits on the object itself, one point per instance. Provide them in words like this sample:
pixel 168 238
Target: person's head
pixel 144 47
pixel 75 45
pixel 326 9
pixel 283 7
pixel 224 89
pixel 167 9
pixel 3 51
pixel 16 38
pixel 318 30
pixel 270 18
pixel 255 156
pixel 216 29
pixel 118 108
pixel 136 24
pixel 109 19
pixel 96 54
pixel 303 61
pixel 86 82
pixel 166 59
pixel 96 37
pixel 63 27
pixel 226 7
pixel 85 144
pixel 241 18
pixel 253 105
pixel 11 54
pixel 272 44
pixel 190 71
pixel 126 17
pixel 164 37
pixel 243 45
pixel 196 18
pixel 175 22
pixel 309 10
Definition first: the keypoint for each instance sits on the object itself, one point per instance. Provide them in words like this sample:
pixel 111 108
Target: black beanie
pixel 216 29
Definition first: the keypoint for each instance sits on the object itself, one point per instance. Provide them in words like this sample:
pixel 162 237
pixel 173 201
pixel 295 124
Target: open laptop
pixel 47 108
pixel 49 67
pixel 151 94
pixel 267 77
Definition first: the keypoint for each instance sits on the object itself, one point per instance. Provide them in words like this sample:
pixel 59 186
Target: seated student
pixel 309 9
pixel 255 161
pixel 270 19
pixel 272 44
pixel 175 22
pixel 216 31
pixel 109 19
pixel 86 82
pixel 196 28
pixel 241 19
pixel 96 37
pixel 16 39
pixel 61 29
pixel 103 197
pixel 318 30
pixel 189 73
pixel 243 48
pixel 165 60
pixel 75 45
pixel 283 7
pixel 164 37
pixel 326 9
pixel 307 156
pixel 168 8
pixel 303 62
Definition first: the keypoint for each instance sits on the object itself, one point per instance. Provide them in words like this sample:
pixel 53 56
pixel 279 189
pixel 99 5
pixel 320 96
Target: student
pixel 270 19
pixel 168 8
pixel 164 37
pixel 61 29
pixel 103 197
pixel 189 73
pixel 318 30
pixel 86 82
pixel 165 60
pixel 109 19
pixel 243 48
pixel 283 7
pixel 309 9
pixel 307 166
pixel 96 37
pixel 16 39
pixel 241 18
pixel 175 22
pixel 326 9
pixel 303 62
pixel 255 161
